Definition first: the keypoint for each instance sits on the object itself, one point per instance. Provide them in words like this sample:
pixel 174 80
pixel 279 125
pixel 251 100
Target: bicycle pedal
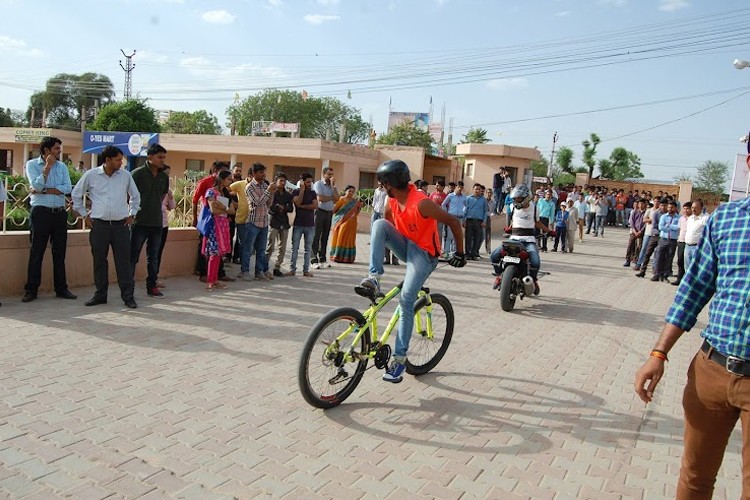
pixel 368 293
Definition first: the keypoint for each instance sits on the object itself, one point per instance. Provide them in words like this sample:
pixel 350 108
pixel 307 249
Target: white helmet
pixel 522 191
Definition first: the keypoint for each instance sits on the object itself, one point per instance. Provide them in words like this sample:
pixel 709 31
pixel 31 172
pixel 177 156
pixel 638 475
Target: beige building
pixel 352 163
pixel 483 161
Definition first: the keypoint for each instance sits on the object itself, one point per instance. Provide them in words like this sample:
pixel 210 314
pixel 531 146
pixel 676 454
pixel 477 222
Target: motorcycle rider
pixel 524 222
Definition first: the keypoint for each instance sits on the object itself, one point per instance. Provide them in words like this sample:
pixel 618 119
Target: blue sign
pixel 130 143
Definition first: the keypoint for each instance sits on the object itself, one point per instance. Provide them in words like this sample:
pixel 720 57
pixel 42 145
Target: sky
pixel 653 76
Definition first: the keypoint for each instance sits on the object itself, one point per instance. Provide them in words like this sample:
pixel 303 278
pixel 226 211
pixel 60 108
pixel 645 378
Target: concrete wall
pixel 179 259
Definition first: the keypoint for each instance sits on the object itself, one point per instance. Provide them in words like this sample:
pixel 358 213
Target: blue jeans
pixel 255 240
pixel 601 221
pixel 151 236
pixel 690 252
pixel 241 229
pixel 642 255
pixel 297 232
pixel 499 199
pixel 449 241
pixel 419 266
pixel 534 260
pixel 621 220
pixel 628 211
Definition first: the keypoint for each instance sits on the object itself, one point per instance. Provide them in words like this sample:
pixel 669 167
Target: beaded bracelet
pixel 659 354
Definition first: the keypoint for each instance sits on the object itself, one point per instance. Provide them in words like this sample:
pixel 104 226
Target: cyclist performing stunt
pixel 524 223
pixel 409 231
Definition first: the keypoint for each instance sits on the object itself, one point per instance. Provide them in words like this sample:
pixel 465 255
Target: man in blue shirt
pixel 454 204
pixel 50 183
pixel 717 393
pixel 546 212
pixel 475 213
pixel 669 230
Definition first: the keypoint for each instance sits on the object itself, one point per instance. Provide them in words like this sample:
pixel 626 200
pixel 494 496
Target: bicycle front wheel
pixel 425 352
pixel 325 377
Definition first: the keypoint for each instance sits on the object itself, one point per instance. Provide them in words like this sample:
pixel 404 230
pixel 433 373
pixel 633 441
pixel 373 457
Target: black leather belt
pixel 54 210
pixel 111 222
pixel 478 220
pixel 732 364
pixel 688 244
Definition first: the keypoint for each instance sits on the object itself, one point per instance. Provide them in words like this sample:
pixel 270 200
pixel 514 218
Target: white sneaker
pixel 328 265
pixel 317 266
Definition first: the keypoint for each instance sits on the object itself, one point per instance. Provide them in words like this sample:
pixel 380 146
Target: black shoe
pixel 131 304
pixel 656 278
pixel 554 249
pixel 395 262
pixel 28 297
pixel 95 301
pixel 67 294
pixel 676 283
pixel 278 273
pixel 642 274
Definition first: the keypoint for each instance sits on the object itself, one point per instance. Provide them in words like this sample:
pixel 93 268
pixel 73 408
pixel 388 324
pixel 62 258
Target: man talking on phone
pixel 50 183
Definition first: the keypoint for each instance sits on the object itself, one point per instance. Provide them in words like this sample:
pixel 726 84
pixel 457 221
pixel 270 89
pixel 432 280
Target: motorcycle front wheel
pixel 508 288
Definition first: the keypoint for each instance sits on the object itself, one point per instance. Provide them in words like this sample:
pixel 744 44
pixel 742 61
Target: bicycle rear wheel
pixel 325 380
pixel 425 352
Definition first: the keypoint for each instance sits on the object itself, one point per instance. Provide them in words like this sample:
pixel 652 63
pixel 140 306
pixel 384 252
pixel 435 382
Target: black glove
pixel 458 260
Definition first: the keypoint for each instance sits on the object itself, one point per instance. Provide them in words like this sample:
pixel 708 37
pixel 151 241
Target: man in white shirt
pixel 108 188
pixel 694 231
pixel 328 195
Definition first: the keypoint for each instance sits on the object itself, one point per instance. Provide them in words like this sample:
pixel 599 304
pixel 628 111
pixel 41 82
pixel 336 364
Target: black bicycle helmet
pixel 394 173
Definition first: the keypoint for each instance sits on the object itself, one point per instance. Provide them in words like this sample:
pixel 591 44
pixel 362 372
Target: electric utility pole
pixel 128 69
pixel 552 156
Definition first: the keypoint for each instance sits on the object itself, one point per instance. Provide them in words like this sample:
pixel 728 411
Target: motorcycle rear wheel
pixel 509 288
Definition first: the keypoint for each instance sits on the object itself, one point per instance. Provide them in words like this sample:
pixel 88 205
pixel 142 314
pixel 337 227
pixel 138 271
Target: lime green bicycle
pixel 340 345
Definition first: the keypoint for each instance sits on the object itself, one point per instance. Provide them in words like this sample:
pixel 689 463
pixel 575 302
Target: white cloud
pixel 17 47
pixel 616 3
pixel 275 3
pixel 441 2
pixel 672 5
pixel 320 18
pixel 564 13
pixel 218 17
pixel 328 2
pixel 508 83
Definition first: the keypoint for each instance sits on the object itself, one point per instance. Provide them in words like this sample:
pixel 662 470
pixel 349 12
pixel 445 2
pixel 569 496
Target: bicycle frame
pixel 371 325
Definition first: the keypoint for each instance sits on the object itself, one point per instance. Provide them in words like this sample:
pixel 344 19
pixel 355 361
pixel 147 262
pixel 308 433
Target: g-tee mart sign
pixel 31 134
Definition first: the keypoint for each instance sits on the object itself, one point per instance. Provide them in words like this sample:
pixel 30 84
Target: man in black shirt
pixel 280 209
pixel 153 185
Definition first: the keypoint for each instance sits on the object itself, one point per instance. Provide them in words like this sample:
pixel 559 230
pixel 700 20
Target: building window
pixel 469 170
pixel 367 180
pixel 195 165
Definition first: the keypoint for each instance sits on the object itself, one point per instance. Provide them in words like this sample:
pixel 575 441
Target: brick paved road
pixel 195 396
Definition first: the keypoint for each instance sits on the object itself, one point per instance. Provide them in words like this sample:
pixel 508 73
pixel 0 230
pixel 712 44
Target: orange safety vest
pixel 413 225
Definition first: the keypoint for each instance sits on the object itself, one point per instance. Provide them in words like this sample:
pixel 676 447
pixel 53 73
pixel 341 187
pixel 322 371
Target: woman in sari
pixel 344 245
pixel 216 241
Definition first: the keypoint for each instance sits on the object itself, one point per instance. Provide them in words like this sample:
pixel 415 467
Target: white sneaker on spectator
pixel 317 266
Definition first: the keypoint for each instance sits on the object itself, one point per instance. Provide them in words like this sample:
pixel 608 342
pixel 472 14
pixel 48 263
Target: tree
pixel 128 116
pixel 197 122
pixel 6 118
pixel 622 164
pixel 66 95
pixel 564 159
pixel 712 177
pixel 539 167
pixel 475 136
pixel 317 116
pixel 589 152
pixel 406 134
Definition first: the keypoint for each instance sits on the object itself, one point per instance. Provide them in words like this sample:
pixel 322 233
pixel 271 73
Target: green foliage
pixel 589 152
pixel 539 167
pixel 127 116
pixel 317 116
pixel 197 122
pixel 6 118
pixel 564 178
pixel 622 164
pixel 475 136
pixel 406 134
pixel 564 159
pixel 66 94
pixel 712 177
pixel 683 177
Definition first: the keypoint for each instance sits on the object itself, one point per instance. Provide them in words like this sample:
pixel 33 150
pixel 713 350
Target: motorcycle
pixel 513 278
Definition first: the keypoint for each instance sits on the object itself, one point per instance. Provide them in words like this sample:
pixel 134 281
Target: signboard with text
pixel 31 134
pixel 419 120
pixel 130 143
